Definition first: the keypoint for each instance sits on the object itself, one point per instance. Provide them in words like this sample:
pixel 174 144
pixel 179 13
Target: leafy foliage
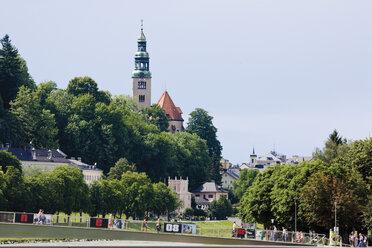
pixel 13 72
pixel 200 123
pixel 221 208
pixel 246 179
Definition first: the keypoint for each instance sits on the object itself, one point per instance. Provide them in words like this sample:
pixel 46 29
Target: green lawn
pixel 222 223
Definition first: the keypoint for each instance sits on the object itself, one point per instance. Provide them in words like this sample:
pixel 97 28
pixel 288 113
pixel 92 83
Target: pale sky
pixel 275 73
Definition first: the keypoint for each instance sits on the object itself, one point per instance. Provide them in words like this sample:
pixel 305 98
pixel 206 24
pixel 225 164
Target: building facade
pixel 46 160
pixel 141 75
pixel 208 192
pixel 227 179
pixel 180 186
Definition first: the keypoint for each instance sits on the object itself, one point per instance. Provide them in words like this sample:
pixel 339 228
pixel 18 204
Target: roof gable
pixel 166 103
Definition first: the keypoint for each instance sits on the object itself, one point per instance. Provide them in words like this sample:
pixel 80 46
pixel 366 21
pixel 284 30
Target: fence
pixel 178 227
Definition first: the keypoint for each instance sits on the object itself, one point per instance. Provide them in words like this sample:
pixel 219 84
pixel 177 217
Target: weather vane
pixel 141 24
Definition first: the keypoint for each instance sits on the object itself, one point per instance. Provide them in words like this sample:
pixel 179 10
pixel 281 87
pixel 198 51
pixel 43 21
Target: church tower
pixel 141 75
pixel 253 159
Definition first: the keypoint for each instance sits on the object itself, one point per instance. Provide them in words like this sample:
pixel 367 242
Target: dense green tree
pixel 85 85
pixel 221 208
pixel 7 159
pixel 13 72
pixel 39 187
pixel 114 196
pixel 359 156
pixel 246 179
pixel 189 212
pixel 81 86
pixel 3 201
pixel 200 123
pixel 191 159
pixel 255 206
pixel 274 193
pixel 139 193
pixel 334 147
pixel 44 90
pixel 157 160
pixel 15 192
pixel 367 215
pixel 156 115
pixel 68 187
pixel 32 122
pixel 323 188
pixel 121 166
pixel 164 200
pixel 97 200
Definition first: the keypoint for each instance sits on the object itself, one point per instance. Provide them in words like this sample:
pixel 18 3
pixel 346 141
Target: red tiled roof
pixel 173 112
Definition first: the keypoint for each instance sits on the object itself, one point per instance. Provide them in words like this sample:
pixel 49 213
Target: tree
pixel 338 184
pixel 255 205
pixel 15 191
pixel 81 86
pixel 188 212
pixel 13 72
pixel 246 179
pixel 156 115
pixel 3 201
pixel 221 208
pixel 86 85
pixel 32 122
pixel 121 166
pixel 274 192
pixel 359 156
pixel 68 188
pixel 190 158
pixel 334 147
pixel 157 160
pixel 139 193
pixel 7 159
pixel 200 123
pixel 114 197
pixel 165 200
pixel 96 196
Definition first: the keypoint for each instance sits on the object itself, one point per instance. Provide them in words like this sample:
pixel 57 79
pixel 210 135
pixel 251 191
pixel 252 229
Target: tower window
pixel 141 98
pixel 142 85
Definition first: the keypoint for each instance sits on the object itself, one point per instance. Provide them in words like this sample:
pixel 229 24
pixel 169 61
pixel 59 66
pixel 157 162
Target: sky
pixel 275 74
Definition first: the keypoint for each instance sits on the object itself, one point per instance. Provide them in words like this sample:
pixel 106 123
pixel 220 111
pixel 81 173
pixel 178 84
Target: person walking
pixel 275 233
pixel 158 225
pixel 40 217
pixel 234 229
pixel 144 224
pixel 284 233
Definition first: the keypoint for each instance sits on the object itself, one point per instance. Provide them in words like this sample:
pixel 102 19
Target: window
pixel 141 98
pixel 142 85
pixel 210 196
pixel 197 195
pixel 175 188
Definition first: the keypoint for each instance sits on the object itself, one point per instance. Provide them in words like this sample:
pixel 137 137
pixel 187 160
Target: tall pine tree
pixel 13 72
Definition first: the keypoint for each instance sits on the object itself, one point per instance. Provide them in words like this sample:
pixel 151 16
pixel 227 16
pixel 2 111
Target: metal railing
pixel 202 230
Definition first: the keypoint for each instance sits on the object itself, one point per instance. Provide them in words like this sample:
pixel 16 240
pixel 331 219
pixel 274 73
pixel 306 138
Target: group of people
pixel 358 240
pixel 144 225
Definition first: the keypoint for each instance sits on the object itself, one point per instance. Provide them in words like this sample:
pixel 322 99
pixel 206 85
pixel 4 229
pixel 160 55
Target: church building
pixel 141 78
pixel 172 112
pixel 141 75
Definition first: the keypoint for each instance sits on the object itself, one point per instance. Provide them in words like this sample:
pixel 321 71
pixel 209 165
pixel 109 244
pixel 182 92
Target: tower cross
pixel 141 24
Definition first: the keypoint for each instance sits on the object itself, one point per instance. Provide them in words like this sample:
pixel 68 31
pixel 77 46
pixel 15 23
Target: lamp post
pixel 295 199
pixel 335 199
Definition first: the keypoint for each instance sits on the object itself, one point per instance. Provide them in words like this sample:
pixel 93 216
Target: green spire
pixel 141 57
